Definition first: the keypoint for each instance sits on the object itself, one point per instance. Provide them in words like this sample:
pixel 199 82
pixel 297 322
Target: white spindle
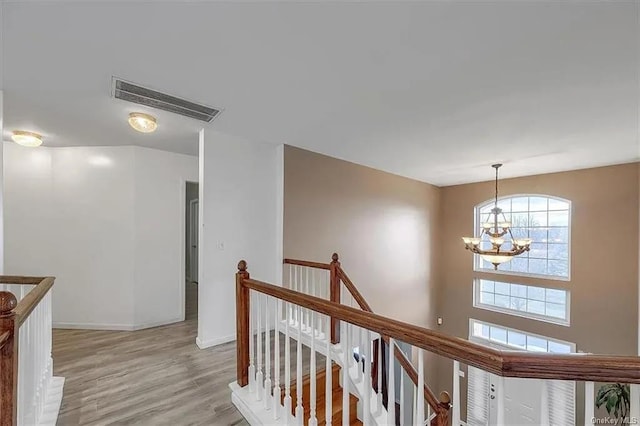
pixel 259 374
pixel 358 339
pixel 379 387
pixel 455 415
pixel 329 376
pixel 634 409
pixel 401 397
pixel 252 344
pixel 366 414
pixel 500 405
pixel 276 360
pixel 420 396
pixel 308 291
pixel 391 385
pixel 299 384
pixel 287 366
pixel 267 356
pixel 544 404
pixel 313 421
pixel 345 338
pixel 589 398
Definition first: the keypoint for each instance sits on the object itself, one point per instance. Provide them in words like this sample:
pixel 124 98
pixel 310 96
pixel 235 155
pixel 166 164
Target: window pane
pixel 536 293
pixel 502 288
pixel 505 204
pixel 515 338
pixel 518 290
pixel 555 310
pixel 538 266
pixel 536 344
pixel 502 301
pixel 520 264
pixel 519 232
pixel 520 220
pixel 560 218
pixel 556 296
pixel 487 298
pixel 537 204
pixel 559 235
pixel 537 219
pixel 558 204
pixel 499 334
pixel 486 285
pixel 559 268
pixel 559 348
pixel 535 307
pixel 558 251
pixel 538 235
pixel 520 204
pixel 518 304
pixel 538 250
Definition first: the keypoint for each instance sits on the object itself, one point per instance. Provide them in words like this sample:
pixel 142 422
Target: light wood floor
pixel 148 377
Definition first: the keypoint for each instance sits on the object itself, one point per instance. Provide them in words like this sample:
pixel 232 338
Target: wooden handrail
pixel 405 363
pixel 14 279
pixel 580 367
pixel 316 265
pixel 31 300
pixel 12 315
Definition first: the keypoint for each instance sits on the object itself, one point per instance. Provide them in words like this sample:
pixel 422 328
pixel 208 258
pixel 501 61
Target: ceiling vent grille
pixel 141 95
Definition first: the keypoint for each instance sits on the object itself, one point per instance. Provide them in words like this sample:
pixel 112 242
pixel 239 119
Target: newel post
pixel 334 295
pixel 8 361
pixel 243 307
pixel 444 408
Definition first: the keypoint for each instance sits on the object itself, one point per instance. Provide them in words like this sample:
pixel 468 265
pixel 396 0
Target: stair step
pixel 336 399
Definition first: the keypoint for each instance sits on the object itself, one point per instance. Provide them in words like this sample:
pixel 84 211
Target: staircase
pixel 336 398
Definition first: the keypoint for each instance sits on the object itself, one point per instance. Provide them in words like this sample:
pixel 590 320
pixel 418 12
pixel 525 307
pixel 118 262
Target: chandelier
pixel 494 230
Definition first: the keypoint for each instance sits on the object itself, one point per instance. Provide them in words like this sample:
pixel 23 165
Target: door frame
pixel 190 234
pixel 182 280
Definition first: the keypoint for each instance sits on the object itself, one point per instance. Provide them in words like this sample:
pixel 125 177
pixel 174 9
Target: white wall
pixel 106 222
pixel 160 191
pixel 239 220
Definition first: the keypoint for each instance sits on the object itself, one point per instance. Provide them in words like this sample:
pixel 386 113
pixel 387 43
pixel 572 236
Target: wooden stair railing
pixel 440 406
pixel 336 413
pixel 12 315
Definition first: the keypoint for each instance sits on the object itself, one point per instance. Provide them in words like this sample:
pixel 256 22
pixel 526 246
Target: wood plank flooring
pixel 149 377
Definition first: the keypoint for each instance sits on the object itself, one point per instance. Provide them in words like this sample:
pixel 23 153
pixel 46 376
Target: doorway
pixel 191 251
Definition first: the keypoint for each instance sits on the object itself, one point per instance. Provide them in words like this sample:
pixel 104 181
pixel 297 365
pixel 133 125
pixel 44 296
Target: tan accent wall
pixel 383 226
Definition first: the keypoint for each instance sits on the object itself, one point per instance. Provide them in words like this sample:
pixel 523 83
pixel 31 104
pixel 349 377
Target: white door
pixel 525 403
pixel 193 240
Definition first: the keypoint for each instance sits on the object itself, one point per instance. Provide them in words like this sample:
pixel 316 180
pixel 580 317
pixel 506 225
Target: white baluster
pixel 634 395
pixel 347 353
pixel 267 356
pixel 500 401
pixel 287 366
pixel 319 293
pixel 414 404
pixel 276 360
pixel 306 311
pixel 328 393
pixel 391 385
pixel 544 404
pixel 313 421
pixel 589 398
pixel 401 397
pixel 357 339
pixel 259 374
pixel 379 406
pixel 299 384
pixel 366 415
pixel 420 396
pixel 252 344
pixel 455 415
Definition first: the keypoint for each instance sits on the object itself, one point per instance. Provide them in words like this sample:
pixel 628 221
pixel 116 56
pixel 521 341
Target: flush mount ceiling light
pixel 142 122
pixel 494 228
pixel 24 138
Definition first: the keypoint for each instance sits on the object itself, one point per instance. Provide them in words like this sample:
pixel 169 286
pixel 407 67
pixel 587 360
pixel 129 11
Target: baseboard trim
pixel 112 327
pixel 204 344
pixel 53 402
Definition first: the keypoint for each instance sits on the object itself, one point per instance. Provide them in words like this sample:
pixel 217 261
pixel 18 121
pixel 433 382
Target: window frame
pixel 523 314
pixel 477 219
pixel 473 337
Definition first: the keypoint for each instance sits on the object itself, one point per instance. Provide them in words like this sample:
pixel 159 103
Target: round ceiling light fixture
pixel 142 122
pixel 24 138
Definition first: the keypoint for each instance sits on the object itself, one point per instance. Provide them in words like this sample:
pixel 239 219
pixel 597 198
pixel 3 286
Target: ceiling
pixel 435 91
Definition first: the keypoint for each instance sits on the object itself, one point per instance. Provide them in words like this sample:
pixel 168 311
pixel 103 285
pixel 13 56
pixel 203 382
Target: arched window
pixel 544 219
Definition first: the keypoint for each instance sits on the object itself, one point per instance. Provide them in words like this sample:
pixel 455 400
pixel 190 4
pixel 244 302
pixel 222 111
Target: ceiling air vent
pixel 141 95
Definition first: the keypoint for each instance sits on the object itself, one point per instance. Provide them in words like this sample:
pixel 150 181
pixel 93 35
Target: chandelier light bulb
pixel 494 229
pixel 24 138
pixel 144 123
